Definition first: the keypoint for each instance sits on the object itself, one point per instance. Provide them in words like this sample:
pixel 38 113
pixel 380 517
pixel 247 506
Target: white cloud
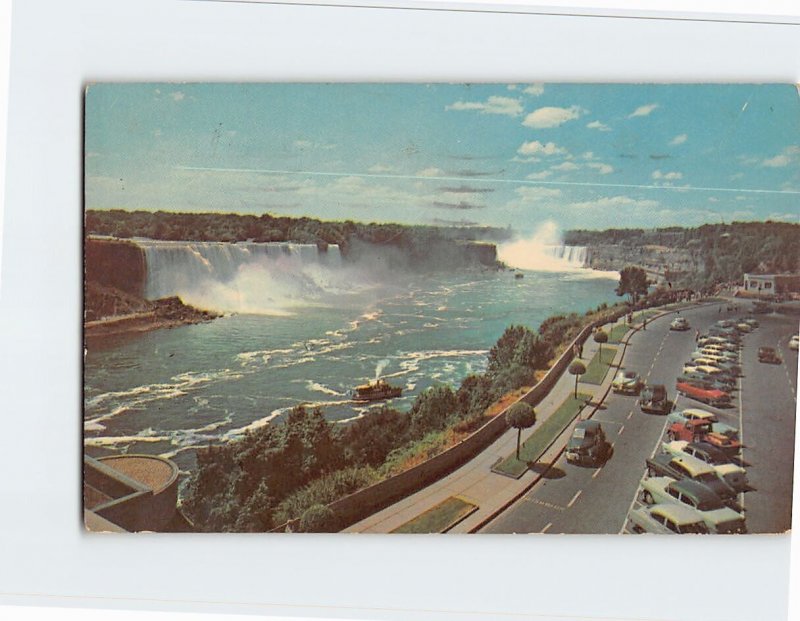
pixel 667 176
pixel 535 147
pixel 379 168
pixel 177 96
pixel 643 110
pixel 540 175
pixel 679 139
pixel 565 166
pixel 588 155
pixel 536 89
pixel 713 199
pixel 512 87
pixel 431 172
pixel 615 202
pixel 603 169
pixel 550 116
pixel 784 158
pixel 779 161
pixel 494 105
pixel 598 126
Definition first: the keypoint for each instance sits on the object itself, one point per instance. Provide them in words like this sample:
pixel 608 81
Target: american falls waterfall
pixel 244 277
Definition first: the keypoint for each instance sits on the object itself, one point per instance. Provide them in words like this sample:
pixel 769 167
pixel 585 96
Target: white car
pixel 794 342
pixel 733 475
pixel 718 517
pixel 666 519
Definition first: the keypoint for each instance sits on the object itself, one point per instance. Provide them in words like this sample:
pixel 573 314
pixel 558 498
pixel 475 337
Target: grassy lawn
pixel 532 449
pixel 596 370
pixel 617 332
pixel 439 518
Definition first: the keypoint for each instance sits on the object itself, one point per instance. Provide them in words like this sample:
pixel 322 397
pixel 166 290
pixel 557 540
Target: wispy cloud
pixel 643 110
pixel 535 89
pixel 550 116
pixel 431 172
pixel 177 96
pixel 788 156
pixel 508 106
pixel 679 139
pixel 539 175
pixel 598 126
pixel 603 169
pixel 565 166
pixel 465 189
pixel 536 147
pixel 667 176
pixel 459 205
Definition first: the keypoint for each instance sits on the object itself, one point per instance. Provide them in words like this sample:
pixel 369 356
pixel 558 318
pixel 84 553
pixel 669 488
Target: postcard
pixel 440 308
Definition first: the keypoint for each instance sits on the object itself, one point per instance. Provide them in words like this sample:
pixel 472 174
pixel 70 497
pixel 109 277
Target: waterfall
pixel 573 256
pixel 263 278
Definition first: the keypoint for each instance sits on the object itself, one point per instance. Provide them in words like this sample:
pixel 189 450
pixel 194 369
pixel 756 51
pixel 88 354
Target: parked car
pixel 703 431
pixel 734 475
pixel 712 396
pixel 768 355
pixel 705 381
pixel 667 519
pixel 679 324
pixel 715 354
pixel 716 340
pixel 628 383
pixel 726 347
pixel 681 416
pixel 750 321
pixel 654 400
pixel 744 327
pixel 719 518
pixel 731 368
pixel 588 445
pixel 794 342
pixel 686 467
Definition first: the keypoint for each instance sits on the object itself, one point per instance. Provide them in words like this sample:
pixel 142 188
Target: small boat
pixel 376 390
pixel 518 275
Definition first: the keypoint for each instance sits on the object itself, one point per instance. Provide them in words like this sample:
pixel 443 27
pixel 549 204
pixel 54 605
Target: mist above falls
pixel 545 251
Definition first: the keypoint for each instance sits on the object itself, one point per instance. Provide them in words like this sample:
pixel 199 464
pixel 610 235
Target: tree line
pixel 725 251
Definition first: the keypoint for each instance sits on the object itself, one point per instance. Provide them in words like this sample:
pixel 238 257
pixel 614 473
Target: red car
pixel 700 430
pixel 711 396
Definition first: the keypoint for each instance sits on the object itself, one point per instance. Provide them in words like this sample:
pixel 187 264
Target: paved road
pixel 574 499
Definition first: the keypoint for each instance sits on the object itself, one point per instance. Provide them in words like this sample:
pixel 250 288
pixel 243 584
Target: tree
pixel 632 282
pixel 600 337
pixel 520 416
pixel 577 368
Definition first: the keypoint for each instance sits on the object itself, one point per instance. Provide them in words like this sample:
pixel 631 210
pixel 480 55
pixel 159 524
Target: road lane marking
pixel 574 498
pixel 544 503
pixel 544 530
pixel 596 472
pixel 630 414
pixel 621 429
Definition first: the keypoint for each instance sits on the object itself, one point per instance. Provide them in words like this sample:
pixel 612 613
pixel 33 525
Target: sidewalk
pixel 475 482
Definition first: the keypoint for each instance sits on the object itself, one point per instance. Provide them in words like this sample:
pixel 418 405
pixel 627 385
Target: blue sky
pixel 591 156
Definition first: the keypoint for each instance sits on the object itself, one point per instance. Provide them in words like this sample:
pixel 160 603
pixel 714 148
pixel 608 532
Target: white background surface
pixel 56 47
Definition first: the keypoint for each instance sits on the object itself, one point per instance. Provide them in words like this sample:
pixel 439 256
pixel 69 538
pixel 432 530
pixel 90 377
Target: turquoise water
pixel 169 391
